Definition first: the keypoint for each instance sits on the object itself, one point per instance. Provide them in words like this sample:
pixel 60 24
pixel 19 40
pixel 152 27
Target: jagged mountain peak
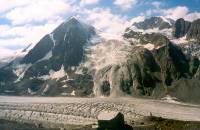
pixel 69 34
pixel 186 28
pixel 154 22
pixel 73 20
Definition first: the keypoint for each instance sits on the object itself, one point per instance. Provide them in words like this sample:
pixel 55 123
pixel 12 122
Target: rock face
pixel 65 42
pixel 154 38
pixel 193 32
pixel 181 28
pixel 189 29
pixel 153 22
pixel 145 72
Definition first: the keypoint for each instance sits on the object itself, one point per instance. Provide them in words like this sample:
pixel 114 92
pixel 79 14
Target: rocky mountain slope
pixel 149 60
pixel 154 22
pixel 188 29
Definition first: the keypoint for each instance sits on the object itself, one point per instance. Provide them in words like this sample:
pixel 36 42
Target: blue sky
pixel 26 21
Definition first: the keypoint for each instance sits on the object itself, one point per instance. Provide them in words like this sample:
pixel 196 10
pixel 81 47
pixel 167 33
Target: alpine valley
pixel 153 58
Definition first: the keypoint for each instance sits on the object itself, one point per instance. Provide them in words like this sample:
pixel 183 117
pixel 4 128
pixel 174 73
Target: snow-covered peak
pixel 137 19
pixel 153 22
pixel 168 20
pixel 74 18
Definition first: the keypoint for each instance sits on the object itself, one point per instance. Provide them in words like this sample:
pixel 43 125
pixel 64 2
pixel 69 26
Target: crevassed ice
pixel 107 53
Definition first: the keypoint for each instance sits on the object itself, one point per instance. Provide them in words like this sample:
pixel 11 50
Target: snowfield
pixel 84 111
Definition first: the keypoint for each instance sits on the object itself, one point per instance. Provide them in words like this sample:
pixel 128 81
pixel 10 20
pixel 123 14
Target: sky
pixel 23 22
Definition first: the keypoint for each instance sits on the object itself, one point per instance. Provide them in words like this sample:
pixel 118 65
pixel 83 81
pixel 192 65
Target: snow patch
pixel 64 94
pixel 165 32
pixel 52 38
pixel 73 93
pixel 46 88
pixel 31 92
pixel 46 57
pixel 54 74
pixel 20 71
pixel 79 70
pixel 64 81
pixel 9 91
pixel 166 20
pixel 181 40
pixel 171 99
pixel 65 86
pixel 149 46
pixel 73 68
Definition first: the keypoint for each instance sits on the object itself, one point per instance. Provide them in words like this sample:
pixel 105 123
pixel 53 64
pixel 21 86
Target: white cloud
pixel 156 4
pixel 23 35
pixel 137 19
pixel 104 20
pixel 23 14
pixel 125 4
pixel 88 2
pixel 38 11
pixel 181 12
pixel 192 16
pixel 177 12
pixel 6 52
pixel 6 5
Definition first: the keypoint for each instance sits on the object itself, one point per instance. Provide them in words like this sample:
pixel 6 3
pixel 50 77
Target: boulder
pixel 111 120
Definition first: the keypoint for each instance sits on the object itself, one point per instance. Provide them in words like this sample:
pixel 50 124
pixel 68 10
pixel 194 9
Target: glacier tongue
pixel 107 53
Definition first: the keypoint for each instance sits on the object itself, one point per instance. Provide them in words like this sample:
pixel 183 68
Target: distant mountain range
pixel 153 58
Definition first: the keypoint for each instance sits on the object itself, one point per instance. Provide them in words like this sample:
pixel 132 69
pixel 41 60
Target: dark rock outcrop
pixel 146 73
pixel 181 27
pixel 189 29
pixel 153 38
pixel 194 31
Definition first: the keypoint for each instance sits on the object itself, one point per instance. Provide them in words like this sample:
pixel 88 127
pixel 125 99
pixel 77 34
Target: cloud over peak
pixel 125 4
pixel 88 2
pixel 38 11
